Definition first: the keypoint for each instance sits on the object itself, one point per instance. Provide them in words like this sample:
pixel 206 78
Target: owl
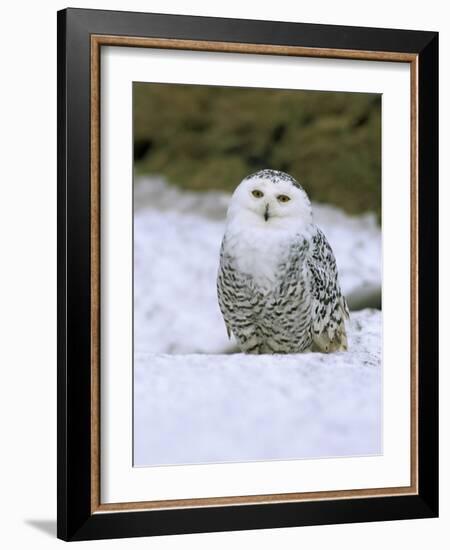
pixel 277 283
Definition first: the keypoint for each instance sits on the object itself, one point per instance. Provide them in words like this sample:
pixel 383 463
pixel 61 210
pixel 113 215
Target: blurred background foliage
pixel 211 137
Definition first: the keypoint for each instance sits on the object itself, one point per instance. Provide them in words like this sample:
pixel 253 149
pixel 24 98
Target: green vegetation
pixel 208 137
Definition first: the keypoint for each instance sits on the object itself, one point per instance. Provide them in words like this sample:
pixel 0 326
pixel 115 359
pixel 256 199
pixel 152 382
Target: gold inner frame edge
pixel 97 41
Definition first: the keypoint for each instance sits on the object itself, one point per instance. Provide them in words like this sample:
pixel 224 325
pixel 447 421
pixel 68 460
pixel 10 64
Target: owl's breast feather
pixel 259 254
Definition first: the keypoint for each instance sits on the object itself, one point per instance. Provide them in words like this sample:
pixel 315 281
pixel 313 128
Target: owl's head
pixel 271 199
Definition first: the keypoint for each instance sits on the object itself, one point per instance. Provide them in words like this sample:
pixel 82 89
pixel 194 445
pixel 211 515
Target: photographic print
pixel 247 267
pixel 257 274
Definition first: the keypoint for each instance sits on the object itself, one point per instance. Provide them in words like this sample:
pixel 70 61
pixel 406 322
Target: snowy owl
pixel 277 283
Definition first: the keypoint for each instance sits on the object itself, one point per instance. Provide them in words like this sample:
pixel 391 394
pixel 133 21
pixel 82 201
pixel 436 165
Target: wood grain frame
pixel 94 519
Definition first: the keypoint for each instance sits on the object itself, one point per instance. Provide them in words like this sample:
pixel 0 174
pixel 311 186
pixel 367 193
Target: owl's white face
pixel 270 199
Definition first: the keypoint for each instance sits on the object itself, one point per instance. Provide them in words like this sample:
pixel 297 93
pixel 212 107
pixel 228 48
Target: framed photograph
pixel 247 256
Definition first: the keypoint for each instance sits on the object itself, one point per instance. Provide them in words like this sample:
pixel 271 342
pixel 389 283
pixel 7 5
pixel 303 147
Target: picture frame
pixel 81 36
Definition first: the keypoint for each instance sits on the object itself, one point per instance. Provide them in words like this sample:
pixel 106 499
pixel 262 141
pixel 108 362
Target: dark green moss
pixel 207 137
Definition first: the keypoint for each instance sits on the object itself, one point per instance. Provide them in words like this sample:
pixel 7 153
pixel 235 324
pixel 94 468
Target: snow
pixel 222 408
pixel 177 236
pixel 196 400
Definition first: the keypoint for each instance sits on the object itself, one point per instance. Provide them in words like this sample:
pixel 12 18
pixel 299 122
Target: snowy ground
pixel 177 236
pixel 223 408
pixel 196 400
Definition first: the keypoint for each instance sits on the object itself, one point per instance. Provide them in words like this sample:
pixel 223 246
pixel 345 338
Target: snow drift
pixel 195 399
pixel 234 408
pixel 177 236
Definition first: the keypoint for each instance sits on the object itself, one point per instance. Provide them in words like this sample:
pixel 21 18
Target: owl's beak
pixel 266 213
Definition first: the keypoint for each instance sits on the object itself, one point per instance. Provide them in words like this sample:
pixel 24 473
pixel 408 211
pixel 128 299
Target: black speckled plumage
pixel 274 176
pixel 305 310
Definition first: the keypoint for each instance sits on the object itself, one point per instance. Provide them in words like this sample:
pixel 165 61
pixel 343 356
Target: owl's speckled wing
pixel 328 306
pixel 239 300
pixel 224 276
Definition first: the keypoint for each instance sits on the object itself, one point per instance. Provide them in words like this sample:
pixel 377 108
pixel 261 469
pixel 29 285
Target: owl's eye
pixel 283 198
pixel 257 193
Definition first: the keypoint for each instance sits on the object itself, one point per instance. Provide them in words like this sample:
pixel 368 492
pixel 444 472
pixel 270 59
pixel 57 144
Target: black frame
pixel 75 521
